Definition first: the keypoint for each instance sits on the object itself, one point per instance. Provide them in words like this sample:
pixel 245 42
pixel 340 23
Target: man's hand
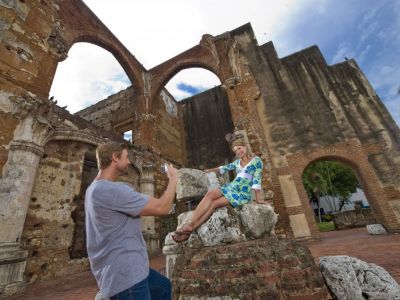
pixel 172 173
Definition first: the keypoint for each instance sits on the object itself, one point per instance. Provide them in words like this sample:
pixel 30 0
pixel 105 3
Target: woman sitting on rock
pixel 248 168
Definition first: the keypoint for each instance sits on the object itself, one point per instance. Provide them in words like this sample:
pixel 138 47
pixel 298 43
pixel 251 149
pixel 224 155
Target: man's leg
pixel 160 286
pixel 138 291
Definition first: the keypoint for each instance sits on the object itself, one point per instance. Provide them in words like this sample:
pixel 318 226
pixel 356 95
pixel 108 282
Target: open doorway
pixel 336 196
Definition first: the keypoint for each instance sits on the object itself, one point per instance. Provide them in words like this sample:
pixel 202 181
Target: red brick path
pixel 383 250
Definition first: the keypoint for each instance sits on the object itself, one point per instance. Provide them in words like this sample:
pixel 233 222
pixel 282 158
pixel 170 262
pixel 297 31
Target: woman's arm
pixel 215 170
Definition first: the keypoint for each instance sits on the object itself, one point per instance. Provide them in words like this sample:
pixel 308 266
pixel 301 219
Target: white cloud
pixel 196 77
pixel 342 51
pixel 89 74
pixel 393 106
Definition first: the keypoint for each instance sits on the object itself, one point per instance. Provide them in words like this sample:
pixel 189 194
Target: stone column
pixel 149 222
pixel 16 185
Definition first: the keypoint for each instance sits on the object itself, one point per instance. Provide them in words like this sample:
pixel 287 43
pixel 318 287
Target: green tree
pixel 331 179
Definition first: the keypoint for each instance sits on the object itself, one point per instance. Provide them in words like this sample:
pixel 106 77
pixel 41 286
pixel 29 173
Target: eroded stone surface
pixel 353 279
pixel 376 229
pixel 259 269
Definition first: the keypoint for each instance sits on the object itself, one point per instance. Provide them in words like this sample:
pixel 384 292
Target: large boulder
pixel 353 279
pixel 258 220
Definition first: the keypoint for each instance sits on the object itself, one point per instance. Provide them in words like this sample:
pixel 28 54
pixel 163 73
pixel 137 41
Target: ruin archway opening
pixel 190 82
pixel 206 115
pixel 89 74
pixel 336 196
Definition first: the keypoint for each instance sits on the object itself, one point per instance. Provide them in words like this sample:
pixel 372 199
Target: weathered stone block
pixel 258 220
pixel 350 278
pixel 376 229
pixel 193 183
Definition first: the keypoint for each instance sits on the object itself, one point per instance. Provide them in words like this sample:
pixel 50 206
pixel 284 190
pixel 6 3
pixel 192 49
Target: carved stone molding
pixel 30 104
pixel 147 78
pixel 73 135
pixel 146 117
pixel 233 47
pixel 27 146
pixel 208 41
pixel 231 82
pixel 56 42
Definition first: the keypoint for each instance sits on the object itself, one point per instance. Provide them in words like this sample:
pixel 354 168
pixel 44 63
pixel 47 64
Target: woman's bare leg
pixel 203 207
pixel 217 203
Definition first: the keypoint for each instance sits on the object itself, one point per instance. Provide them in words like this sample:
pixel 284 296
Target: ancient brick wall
pixel 109 112
pixel 260 269
pixel 120 113
pixel 169 129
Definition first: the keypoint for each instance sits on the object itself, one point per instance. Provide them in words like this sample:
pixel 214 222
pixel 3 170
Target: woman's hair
pixel 104 153
pixel 244 144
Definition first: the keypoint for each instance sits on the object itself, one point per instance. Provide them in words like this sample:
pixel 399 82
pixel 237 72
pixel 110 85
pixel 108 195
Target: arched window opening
pixel 190 82
pixel 88 75
pixel 336 196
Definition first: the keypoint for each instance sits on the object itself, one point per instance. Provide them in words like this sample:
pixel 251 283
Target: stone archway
pixel 335 192
pixel 302 220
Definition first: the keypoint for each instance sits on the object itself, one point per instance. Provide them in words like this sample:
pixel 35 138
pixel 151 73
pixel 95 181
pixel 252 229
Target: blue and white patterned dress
pixel 238 192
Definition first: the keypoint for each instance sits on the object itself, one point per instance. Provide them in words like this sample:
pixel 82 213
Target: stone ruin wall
pixel 119 113
pixel 311 111
pixel 54 232
pixel 49 227
pixel 207 118
pixel 284 107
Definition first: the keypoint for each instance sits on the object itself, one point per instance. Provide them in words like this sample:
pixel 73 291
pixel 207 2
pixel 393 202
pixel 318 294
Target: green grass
pixel 326 226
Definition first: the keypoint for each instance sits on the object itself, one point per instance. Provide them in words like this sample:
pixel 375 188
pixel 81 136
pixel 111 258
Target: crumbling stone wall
pixel 208 120
pixel 309 110
pixel 108 112
pixel 119 113
pixel 49 227
pixel 260 269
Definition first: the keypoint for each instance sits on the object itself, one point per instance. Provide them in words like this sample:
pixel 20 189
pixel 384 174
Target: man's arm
pixel 162 206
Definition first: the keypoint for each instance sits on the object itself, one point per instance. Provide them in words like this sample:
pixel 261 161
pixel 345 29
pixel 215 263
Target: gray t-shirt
pixel 114 240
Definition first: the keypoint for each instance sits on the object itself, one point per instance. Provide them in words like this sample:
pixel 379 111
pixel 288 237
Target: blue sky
pixel 156 30
pixel 366 30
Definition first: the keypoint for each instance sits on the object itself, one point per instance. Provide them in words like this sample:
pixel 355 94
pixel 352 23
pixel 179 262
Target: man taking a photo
pixel 115 245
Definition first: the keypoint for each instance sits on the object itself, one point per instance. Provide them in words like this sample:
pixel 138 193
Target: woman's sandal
pixel 180 236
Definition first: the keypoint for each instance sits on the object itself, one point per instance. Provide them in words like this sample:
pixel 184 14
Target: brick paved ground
pixel 382 250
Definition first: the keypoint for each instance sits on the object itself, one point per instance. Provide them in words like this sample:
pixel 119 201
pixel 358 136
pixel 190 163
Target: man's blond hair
pixel 104 153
